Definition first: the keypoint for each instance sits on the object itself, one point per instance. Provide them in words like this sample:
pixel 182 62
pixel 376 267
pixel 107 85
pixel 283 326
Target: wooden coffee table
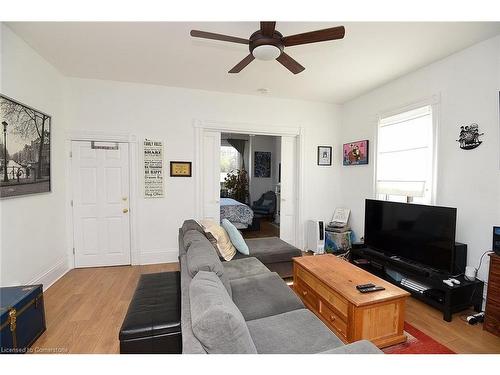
pixel 327 286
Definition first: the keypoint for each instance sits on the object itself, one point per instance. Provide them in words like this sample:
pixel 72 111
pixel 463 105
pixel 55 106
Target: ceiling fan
pixel 269 44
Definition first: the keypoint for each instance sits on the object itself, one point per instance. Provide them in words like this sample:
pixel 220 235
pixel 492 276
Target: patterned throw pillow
pixel 224 244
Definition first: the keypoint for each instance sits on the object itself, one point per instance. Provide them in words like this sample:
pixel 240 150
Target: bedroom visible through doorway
pixel 250 180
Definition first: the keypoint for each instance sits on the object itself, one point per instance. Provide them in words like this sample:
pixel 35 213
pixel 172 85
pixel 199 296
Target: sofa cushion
pixel 264 295
pixel 201 256
pixel 192 236
pixel 358 347
pixel 293 332
pixel 191 225
pixel 235 237
pixel 226 248
pixel 213 242
pixel 239 268
pixel 216 320
pixel 272 250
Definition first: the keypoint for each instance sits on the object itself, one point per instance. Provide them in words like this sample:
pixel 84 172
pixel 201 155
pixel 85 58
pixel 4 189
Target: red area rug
pixel 417 343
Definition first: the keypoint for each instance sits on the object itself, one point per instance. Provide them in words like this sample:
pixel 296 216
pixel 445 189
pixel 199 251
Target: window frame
pixel 434 103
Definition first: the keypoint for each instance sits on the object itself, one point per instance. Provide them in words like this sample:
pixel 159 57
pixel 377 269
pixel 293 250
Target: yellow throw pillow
pixel 224 244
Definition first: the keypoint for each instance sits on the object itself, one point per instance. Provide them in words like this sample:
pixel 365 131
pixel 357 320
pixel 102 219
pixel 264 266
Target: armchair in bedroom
pixel 266 205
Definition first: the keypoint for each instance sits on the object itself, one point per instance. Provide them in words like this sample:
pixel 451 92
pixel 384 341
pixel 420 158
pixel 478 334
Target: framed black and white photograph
pixel 24 149
pixel 262 164
pixel 325 155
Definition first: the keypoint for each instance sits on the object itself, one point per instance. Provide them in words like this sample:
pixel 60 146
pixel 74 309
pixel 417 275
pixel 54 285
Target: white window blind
pixel 405 156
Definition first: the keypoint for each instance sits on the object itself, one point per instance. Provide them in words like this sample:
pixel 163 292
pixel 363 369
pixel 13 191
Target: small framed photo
pixel 325 155
pixel 180 169
pixel 355 153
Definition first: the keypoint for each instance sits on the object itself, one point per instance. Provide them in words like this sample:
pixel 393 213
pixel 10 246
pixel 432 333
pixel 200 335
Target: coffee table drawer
pixel 306 294
pixel 333 318
pixel 329 295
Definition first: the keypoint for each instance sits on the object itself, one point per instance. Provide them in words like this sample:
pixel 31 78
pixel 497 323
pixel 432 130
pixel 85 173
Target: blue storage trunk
pixel 22 317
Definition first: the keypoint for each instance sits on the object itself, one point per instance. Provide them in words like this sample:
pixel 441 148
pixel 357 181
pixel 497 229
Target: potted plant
pixel 236 182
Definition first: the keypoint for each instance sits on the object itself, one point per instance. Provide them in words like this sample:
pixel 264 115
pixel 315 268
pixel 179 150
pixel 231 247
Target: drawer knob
pixel 304 293
pixel 332 318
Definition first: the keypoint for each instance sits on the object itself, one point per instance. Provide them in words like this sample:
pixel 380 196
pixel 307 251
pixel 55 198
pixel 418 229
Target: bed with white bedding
pixel 236 212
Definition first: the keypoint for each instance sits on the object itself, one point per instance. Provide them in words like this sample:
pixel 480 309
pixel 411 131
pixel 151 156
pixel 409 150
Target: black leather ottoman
pixel 153 320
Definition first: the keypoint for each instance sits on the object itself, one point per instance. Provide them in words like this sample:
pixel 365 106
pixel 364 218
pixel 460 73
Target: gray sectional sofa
pixel 241 306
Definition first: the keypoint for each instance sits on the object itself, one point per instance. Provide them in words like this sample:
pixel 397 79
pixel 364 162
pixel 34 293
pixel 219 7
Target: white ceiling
pixel 163 53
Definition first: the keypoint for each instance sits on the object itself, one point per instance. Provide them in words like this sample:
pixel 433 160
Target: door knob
pixel 125 210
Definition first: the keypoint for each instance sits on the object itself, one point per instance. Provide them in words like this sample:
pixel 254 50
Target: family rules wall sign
pixel 153 169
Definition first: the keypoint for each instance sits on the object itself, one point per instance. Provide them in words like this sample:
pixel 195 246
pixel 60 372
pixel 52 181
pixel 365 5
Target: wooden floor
pixel 267 229
pixel 86 307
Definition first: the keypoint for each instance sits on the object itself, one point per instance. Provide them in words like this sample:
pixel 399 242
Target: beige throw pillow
pixel 224 244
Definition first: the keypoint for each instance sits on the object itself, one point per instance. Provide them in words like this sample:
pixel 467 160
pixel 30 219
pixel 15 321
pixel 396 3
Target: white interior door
pixel 288 196
pixel 100 174
pixel 210 168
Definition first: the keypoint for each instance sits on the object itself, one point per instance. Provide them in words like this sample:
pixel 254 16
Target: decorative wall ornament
pixel 262 164
pixel 355 153
pixel 24 149
pixel 469 137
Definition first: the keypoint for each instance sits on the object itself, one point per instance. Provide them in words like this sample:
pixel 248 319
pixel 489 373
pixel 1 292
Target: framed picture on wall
pixel 355 153
pixel 180 169
pixel 24 149
pixel 262 164
pixel 325 155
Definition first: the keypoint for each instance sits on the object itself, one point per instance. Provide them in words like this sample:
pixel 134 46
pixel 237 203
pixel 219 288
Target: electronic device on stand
pixel 315 236
pixel 400 247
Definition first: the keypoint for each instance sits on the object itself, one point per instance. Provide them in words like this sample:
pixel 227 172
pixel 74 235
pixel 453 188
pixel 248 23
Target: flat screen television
pixel 424 234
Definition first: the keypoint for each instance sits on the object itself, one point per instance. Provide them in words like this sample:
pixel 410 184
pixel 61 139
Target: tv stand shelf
pixel 447 299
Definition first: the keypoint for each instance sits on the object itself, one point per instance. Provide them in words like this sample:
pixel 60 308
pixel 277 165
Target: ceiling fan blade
pixel 315 36
pixel 225 38
pixel 238 67
pixel 267 28
pixel 290 63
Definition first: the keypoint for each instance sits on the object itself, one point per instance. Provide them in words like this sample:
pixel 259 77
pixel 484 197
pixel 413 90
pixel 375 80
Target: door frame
pixel 253 129
pixel 133 162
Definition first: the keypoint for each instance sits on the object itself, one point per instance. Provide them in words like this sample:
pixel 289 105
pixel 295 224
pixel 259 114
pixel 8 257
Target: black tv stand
pixel 447 299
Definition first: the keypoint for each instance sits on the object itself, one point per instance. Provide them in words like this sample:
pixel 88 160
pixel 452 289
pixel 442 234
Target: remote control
pixel 372 289
pixel 364 286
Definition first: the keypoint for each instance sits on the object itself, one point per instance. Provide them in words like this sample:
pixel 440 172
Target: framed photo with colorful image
pixel 325 155
pixel 355 153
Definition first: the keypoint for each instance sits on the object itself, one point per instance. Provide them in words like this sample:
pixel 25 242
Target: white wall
pixel 33 237
pixel 259 185
pixel 159 112
pixel 468 83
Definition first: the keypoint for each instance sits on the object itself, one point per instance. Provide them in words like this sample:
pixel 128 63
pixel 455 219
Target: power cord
pixel 481 260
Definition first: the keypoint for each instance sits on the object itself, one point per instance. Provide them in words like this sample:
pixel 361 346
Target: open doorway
pixel 250 179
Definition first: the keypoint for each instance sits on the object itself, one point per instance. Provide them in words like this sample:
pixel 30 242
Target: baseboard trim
pixel 49 277
pixel 159 256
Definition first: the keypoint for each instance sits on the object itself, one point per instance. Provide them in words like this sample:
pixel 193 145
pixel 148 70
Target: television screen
pixel 425 234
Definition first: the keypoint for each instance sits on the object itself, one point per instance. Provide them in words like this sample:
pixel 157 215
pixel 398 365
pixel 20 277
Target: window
pixel 229 161
pixel 405 157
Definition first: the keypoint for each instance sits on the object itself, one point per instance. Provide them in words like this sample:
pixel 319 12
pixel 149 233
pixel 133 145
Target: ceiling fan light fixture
pixel 266 52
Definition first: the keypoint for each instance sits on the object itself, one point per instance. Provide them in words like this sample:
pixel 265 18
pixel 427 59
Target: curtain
pixel 239 145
